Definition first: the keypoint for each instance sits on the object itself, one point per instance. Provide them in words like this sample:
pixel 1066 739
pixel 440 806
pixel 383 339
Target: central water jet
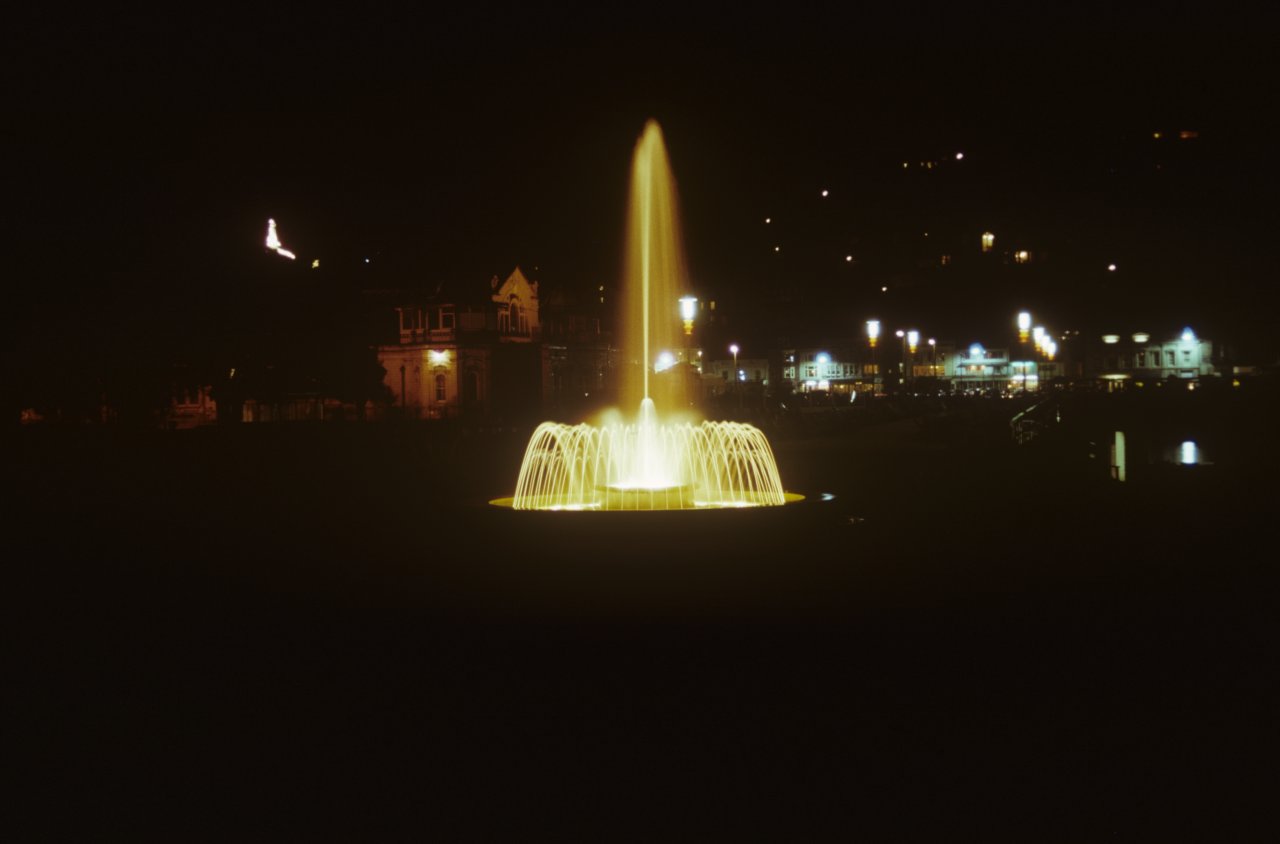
pixel 648 464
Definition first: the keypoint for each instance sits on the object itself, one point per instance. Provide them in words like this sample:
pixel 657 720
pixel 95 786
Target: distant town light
pixel 1037 334
pixel 439 358
pixel 823 358
pixel 1111 268
pixel 273 241
pixel 1022 256
pixel 988 241
pixel 873 331
pixel 1024 325
pixel 1141 337
pixel 884 289
pixel 959 156
pixel 733 349
pixel 1188 336
pixel 913 339
pixel 768 220
pixel 1111 339
pixel 976 351
pixel 777 249
pixel 824 193
pixel 848 258
pixel 900 333
pixel 665 361
pixel 315 264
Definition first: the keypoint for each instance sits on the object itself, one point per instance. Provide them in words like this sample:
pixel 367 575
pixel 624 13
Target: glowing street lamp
pixel 1038 335
pixel 913 340
pixel 873 331
pixel 933 357
pixel 688 308
pixel 1024 325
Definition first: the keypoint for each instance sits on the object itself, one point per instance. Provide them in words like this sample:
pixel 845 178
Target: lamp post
pixel 733 350
pixel 873 335
pixel 902 367
pixel 913 341
pixel 933 357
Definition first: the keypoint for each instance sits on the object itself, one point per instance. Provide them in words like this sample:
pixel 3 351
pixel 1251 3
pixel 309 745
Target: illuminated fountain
pixel 649 464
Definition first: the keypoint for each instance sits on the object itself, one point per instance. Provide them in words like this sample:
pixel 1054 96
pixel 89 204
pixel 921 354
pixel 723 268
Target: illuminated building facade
pixel 827 369
pixel 459 353
pixel 1139 357
pixel 499 354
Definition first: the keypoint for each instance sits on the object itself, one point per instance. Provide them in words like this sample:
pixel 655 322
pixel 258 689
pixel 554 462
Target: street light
pixel 933 357
pixel 913 342
pixel 733 350
pixel 1024 325
pixel 873 334
pixel 688 308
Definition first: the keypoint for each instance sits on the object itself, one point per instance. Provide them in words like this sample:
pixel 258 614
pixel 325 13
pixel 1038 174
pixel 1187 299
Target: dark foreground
pixel 274 632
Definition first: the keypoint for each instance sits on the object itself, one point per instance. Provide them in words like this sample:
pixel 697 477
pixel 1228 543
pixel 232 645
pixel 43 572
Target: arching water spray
pixel 648 464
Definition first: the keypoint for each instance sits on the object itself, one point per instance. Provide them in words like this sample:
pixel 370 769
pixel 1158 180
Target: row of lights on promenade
pixel 1043 341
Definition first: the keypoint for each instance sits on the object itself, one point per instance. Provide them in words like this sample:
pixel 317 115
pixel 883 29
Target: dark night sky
pixel 153 148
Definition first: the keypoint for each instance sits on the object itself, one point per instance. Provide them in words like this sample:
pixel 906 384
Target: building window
pixel 441 388
pixel 446 318
pixel 1168 359
pixel 988 241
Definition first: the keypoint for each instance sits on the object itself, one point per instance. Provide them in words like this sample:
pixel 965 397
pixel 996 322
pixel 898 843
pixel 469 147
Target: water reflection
pixel 1186 453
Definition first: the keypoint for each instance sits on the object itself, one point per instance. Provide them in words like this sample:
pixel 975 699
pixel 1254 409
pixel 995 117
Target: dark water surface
pixel 272 630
